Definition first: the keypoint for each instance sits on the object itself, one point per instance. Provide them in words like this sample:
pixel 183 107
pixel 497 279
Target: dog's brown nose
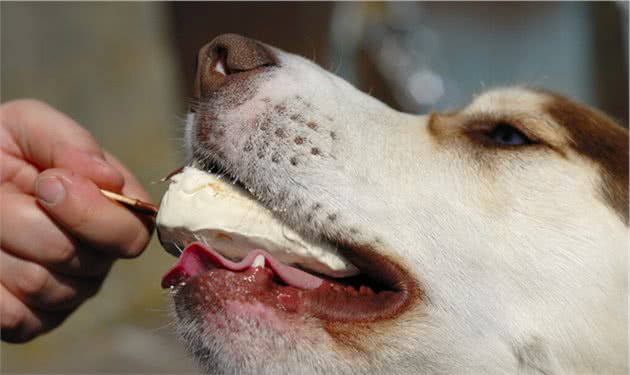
pixel 226 55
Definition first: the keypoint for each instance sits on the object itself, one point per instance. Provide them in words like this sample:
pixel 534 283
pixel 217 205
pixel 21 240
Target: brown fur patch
pixel 350 338
pixel 432 125
pixel 599 138
pixel 355 336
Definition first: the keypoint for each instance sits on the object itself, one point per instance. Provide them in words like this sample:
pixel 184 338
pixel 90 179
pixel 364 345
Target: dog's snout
pixel 226 55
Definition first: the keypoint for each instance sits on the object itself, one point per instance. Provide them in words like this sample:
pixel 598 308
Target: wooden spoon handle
pixel 134 204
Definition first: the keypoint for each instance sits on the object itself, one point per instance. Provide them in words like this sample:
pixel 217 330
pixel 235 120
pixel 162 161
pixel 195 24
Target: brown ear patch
pixel 599 138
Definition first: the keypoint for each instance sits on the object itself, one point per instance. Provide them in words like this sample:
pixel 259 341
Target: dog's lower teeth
pixel 259 261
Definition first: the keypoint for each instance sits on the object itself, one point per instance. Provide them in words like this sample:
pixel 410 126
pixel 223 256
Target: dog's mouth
pixel 211 275
pixel 259 277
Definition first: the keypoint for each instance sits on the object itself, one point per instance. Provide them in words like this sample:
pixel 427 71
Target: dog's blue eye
pixel 508 135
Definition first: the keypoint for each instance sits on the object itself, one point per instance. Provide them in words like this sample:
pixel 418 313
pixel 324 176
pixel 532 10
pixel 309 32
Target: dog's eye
pixel 507 135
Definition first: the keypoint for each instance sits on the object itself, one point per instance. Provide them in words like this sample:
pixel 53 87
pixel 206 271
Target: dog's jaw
pixel 274 143
pixel 500 245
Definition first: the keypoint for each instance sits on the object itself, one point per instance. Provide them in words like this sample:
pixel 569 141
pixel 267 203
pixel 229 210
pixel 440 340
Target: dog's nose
pixel 227 55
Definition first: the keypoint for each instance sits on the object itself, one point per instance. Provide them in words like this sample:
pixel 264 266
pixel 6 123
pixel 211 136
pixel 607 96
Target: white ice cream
pixel 199 206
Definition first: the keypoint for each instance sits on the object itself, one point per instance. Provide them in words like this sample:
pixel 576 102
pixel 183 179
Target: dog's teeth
pixel 219 68
pixel 259 261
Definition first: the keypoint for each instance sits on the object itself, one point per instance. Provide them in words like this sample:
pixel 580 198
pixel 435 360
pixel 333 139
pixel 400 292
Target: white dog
pixel 490 240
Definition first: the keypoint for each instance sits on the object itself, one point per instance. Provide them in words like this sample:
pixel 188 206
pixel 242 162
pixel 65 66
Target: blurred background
pixel 124 71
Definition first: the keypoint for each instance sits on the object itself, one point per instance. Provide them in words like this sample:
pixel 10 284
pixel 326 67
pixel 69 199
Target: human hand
pixel 58 234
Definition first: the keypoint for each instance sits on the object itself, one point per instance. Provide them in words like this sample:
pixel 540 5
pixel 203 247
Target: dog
pixel 490 240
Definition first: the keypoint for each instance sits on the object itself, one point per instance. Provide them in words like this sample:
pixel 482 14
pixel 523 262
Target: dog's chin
pixel 234 310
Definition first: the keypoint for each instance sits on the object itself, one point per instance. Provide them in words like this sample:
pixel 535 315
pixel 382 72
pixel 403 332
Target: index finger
pixel 37 128
pixel 47 138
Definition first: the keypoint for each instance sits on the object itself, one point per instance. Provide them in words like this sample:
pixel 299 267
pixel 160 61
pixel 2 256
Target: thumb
pixel 78 206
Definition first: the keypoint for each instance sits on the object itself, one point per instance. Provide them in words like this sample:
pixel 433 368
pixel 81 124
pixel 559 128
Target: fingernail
pixel 50 190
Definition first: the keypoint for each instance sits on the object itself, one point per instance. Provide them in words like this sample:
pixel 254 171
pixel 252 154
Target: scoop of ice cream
pixel 200 206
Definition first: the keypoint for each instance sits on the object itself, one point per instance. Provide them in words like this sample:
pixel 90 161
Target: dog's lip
pixel 399 290
pixel 207 277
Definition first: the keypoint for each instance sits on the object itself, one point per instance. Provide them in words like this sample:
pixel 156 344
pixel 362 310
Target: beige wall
pixel 111 67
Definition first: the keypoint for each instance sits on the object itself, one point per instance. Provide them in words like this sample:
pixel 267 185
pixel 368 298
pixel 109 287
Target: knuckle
pixel 62 252
pixel 74 297
pixel 33 279
pixel 13 315
pixel 13 321
pixel 63 302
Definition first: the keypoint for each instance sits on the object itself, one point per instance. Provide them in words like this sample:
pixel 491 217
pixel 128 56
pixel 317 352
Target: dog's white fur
pixel 517 278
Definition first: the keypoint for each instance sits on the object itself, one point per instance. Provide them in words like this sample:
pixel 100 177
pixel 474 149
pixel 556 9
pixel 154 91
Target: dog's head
pixel 496 234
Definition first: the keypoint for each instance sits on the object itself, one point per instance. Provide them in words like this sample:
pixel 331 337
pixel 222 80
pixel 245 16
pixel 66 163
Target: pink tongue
pixel 198 258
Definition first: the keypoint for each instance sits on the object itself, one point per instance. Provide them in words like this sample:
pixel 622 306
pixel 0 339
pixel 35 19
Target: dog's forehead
pixel 508 101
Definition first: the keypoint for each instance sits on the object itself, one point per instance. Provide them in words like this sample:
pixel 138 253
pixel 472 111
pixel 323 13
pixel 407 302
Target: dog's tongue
pixel 197 259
